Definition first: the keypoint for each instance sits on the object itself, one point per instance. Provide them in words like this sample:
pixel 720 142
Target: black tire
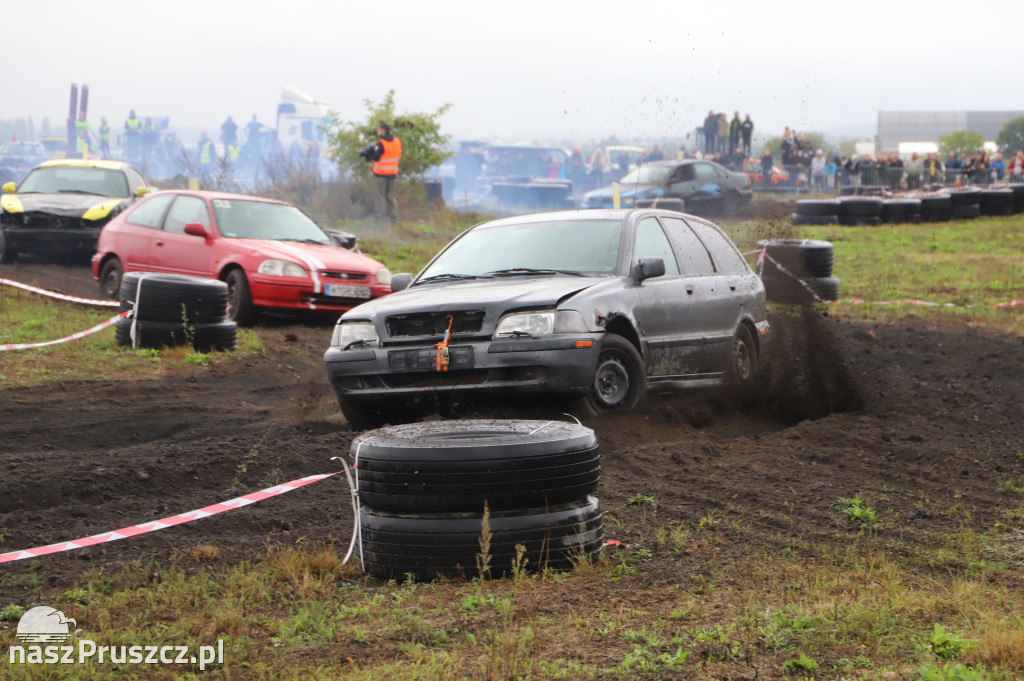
pixel 860 207
pixel 173 298
pixel 743 363
pixel 901 210
pixel 110 279
pixel 219 336
pixel 860 221
pixel 781 288
pixel 819 207
pixel 996 202
pixel 817 220
pixel 732 203
pixel 239 299
pixel 620 380
pixel 1018 197
pixel 827 288
pixel 437 544
pixel 966 211
pixel 936 208
pixel 963 197
pixel 8 252
pixel 802 257
pixel 459 465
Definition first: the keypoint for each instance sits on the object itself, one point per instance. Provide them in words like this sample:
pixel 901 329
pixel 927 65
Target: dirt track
pixel 898 413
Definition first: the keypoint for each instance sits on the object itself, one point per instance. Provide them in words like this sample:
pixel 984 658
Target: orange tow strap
pixel 442 347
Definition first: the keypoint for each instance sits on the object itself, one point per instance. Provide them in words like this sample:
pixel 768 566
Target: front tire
pixel 110 279
pixel 240 308
pixel 8 253
pixel 620 381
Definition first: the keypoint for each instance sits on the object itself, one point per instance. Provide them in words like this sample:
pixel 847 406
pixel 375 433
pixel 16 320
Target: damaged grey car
pixel 597 306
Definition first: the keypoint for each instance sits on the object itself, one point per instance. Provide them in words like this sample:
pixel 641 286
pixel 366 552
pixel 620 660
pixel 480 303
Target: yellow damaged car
pixel 61 206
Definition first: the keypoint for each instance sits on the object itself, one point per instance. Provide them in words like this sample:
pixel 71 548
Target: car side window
pixel 651 242
pixel 150 213
pixel 722 249
pixel 694 258
pixel 186 209
pixel 681 174
pixel 706 171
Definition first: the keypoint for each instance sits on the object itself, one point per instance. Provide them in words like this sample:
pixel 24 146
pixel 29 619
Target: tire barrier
pixel 422 490
pixel 996 201
pixel 431 545
pixel 901 210
pixel 169 310
pixel 798 271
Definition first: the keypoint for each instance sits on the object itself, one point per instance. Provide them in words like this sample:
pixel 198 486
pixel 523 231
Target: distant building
pixel 928 126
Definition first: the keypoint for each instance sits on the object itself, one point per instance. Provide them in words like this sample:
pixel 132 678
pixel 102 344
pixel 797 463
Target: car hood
pixel 63 205
pixel 312 256
pixel 518 293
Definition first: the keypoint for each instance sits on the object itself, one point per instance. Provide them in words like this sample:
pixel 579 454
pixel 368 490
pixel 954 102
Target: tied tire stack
pixel 798 271
pixel 170 310
pixel 423 487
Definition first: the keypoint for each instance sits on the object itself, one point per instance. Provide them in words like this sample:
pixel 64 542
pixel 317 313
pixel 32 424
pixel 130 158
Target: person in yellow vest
pixel 104 138
pixel 386 155
pixel 82 133
pixel 132 134
pixel 206 153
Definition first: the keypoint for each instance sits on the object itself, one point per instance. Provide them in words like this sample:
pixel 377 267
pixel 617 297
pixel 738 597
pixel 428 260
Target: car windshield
pixel 647 174
pixel 75 180
pixel 590 246
pixel 240 219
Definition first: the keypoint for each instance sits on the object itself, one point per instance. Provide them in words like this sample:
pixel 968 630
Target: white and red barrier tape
pixel 171 521
pixel 59 296
pixel 65 339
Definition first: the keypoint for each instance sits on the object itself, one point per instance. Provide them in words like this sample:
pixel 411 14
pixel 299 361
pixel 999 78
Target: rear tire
pixel 110 279
pixel 743 363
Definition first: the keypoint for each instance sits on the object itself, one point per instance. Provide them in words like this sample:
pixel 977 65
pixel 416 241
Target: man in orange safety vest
pixel 385 155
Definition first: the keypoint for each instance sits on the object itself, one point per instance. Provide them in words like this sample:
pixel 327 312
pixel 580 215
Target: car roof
pixel 224 196
pixel 83 163
pixel 575 215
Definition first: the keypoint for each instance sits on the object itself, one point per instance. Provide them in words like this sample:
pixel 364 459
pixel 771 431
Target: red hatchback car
pixel 270 253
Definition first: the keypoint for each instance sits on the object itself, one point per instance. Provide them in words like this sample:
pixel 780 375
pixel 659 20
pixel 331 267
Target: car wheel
pixel 8 253
pixel 732 203
pixel 110 279
pixel 619 378
pixel 460 465
pixel 428 545
pixel 743 362
pixel 239 298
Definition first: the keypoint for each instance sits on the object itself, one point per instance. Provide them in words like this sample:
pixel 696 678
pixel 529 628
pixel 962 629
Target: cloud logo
pixel 44 624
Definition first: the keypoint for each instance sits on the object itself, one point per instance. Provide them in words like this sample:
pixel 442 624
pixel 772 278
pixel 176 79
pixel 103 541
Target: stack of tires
pixel 816 212
pixel 1018 197
pixel 798 271
pixel 170 310
pixel 423 488
pixel 965 203
pixel 996 201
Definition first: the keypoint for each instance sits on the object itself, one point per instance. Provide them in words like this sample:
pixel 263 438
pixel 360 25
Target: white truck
pixel 300 118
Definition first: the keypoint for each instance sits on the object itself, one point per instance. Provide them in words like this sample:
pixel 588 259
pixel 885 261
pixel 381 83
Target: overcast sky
pixel 517 71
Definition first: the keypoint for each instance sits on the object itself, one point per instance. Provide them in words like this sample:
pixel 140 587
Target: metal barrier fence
pixel 801 179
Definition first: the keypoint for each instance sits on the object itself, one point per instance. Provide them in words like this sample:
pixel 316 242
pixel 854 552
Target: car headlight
pixel 540 323
pixel 281 268
pixel 352 334
pixel 384 276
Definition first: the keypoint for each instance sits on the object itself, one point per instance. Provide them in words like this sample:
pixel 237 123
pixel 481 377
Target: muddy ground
pixel 897 412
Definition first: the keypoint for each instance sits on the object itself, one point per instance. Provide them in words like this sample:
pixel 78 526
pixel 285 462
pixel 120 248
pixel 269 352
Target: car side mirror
pixel 9 187
pixel 142 191
pixel 647 268
pixel 400 281
pixel 197 229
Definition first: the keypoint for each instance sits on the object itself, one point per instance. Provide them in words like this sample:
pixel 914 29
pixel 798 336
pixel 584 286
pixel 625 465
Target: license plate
pixel 425 359
pixel 344 291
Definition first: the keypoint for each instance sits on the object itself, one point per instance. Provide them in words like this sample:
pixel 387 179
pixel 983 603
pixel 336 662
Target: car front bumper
pixel 562 364
pixel 289 293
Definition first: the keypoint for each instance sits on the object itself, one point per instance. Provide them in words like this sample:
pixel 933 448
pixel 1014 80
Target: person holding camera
pixel 385 155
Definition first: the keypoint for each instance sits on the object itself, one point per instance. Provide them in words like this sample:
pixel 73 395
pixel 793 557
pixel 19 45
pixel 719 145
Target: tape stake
pixel 170 521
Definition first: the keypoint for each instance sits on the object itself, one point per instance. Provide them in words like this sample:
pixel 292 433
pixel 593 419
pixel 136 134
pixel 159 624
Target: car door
pixel 708 189
pixel 707 296
pixel 733 288
pixel 175 251
pixel 670 349
pixel 682 182
pixel 135 236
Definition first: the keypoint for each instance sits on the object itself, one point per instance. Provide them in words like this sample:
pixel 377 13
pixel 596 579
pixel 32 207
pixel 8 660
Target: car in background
pixel 779 176
pixel 705 187
pixel 524 178
pixel 271 255
pixel 595 305
pixel 56 147
pixel 21 157
pixel 61 206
